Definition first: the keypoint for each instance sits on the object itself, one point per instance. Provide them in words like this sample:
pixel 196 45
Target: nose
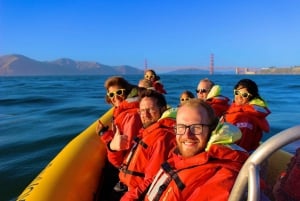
pixel 188 132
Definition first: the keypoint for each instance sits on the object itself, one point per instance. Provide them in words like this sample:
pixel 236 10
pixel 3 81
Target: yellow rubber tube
pixel 74 174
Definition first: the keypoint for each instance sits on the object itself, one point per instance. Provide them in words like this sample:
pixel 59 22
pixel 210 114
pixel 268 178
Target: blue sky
pixel 168 33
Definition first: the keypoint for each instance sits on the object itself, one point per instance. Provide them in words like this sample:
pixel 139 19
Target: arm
pixel 122 141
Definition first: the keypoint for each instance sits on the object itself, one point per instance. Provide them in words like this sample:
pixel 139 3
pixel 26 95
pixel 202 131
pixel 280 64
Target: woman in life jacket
pixel 248 112
pixel 155 79
pixel 123 96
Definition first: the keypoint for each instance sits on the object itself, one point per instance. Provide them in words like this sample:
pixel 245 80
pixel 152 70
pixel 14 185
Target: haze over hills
pixel 19 65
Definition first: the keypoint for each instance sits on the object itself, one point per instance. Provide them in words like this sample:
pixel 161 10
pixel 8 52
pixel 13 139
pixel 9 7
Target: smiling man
pixel 201 167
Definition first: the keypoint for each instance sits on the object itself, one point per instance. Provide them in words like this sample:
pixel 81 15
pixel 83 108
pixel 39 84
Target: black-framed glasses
pixel 202 91
pixel 244 95
pixel 119 92
pixel 196 129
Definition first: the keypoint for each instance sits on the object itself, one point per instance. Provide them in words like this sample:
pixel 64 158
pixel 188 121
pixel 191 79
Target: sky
pixel 166 33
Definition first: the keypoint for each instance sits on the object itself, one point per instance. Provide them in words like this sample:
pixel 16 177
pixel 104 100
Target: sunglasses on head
pixel 244 95
pixel 201 91
pixel 119 92
pixel 149 76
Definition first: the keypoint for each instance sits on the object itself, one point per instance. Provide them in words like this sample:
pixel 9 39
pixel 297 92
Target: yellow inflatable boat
pixel 75 173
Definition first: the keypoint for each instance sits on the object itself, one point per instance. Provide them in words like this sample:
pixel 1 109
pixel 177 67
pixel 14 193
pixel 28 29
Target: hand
pixel 99 127
pixel 119 142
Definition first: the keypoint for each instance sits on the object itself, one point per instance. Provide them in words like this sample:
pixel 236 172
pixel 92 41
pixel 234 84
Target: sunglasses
pixel 244 95
pixel 184 99
pixel 201 91
pixel 149 76
pixel 119 92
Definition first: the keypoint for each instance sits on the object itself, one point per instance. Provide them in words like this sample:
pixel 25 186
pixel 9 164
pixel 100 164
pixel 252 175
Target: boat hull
pixel 74 174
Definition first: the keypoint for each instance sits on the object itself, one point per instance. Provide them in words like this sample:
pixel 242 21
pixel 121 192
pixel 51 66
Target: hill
pixel 187 71
pixel 19 65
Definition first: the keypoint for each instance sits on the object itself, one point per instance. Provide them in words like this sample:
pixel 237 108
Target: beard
pixel 148 123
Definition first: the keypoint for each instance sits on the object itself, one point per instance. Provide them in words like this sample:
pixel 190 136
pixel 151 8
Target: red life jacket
pixel 159 87
pixel 127 119
pixel 251 120
pixel 289 184
pixel 201 177
pixel 220 104
pixel 148 153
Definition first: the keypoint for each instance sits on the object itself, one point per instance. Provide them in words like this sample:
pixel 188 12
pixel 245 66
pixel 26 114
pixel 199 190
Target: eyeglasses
pixel 196 129
pixel 184 99
pixel 202 91
pixel 149 110
pixel 244 95
pixel 149 76
pixel 119 92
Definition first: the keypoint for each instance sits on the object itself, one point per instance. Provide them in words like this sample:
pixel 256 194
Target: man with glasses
pixel 157 138
pixel 211 93
pixel 201 167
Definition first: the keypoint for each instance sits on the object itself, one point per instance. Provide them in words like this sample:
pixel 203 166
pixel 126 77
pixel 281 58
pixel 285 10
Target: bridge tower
pixel 145 65
pixel 211 68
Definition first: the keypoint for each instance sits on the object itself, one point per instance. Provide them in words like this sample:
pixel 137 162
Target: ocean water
pixel 40 115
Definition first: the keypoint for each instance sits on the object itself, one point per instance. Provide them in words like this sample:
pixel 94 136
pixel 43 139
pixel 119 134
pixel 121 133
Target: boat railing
pixel 249 173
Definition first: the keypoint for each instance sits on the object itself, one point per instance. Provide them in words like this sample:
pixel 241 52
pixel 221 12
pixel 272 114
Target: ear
pixel 163 109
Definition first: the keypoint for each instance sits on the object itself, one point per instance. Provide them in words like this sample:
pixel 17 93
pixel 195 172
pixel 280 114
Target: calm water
pixel 40 115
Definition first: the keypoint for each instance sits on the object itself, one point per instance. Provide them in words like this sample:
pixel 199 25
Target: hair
pixel 145 83
pixel 208 81
pixel 198 104
pixel 154 73
pixel 251 86
pixel 120 82
pixel 188 93
pixel 160 98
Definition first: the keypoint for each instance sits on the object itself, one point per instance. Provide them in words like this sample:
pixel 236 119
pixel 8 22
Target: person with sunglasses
pixel 155 80
pixel 208 91
pixel 123 96
pixel 151 148
pixel 200 167
pixel 185 96
pixel 248 111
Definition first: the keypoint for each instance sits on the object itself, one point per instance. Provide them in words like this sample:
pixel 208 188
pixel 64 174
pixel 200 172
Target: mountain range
pixel 20 65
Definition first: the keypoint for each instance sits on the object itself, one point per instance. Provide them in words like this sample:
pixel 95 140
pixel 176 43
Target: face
pixel 149 76
pixel 241 96
pixel 149 112
pixel 189 144
pixel 116 99
pixel 184 97
pixel 203 90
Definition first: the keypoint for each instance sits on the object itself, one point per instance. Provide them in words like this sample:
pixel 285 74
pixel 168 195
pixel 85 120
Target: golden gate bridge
pixel 212 69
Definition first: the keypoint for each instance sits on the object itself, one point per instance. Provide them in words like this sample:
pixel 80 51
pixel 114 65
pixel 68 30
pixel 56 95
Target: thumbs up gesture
pixel 119 141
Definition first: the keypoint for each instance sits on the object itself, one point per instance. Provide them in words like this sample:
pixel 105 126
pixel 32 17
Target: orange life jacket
pixel 206 176
pixel 251 119
pixel 148 153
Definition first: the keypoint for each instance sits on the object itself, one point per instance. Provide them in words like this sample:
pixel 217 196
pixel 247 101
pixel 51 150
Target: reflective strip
pixel 159 180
